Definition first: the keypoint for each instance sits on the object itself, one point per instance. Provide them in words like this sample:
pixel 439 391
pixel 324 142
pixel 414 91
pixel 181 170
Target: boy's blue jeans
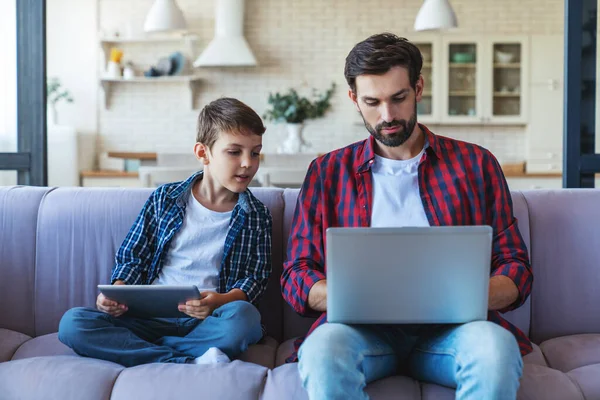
pixel 480 359
pixel 133 341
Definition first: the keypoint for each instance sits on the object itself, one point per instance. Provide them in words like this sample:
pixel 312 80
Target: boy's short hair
pixel 227 115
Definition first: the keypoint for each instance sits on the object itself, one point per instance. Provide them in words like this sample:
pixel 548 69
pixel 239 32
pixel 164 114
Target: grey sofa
pixel 56 245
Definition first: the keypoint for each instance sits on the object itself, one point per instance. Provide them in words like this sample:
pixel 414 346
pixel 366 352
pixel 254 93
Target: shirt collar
pixel 366 155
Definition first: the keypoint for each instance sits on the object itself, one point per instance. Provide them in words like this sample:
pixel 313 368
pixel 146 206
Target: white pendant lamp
pixel 435 15
pixel 165 16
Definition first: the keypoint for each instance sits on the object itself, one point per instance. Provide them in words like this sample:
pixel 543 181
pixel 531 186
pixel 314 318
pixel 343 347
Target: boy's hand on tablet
pixel 203 307
pixel 110 306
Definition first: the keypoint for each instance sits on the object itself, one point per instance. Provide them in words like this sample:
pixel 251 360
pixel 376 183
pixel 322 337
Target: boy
pixel 209 231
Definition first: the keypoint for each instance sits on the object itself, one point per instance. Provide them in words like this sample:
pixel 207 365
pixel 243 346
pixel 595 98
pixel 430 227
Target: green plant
pixel 55 92
pixel 290 107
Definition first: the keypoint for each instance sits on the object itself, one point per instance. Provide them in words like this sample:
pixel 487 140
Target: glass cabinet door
pixel 426 109
pixel 507 100
pixel 462 80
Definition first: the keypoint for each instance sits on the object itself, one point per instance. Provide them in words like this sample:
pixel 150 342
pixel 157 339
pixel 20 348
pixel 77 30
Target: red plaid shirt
pixel 460 184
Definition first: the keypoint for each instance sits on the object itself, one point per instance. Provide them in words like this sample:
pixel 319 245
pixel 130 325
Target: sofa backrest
pixel 18 220
pixel 79 231
pixel 565 231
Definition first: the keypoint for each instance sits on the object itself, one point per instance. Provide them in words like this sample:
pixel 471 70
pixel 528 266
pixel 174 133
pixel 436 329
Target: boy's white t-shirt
pixel 396 197
pixel 195 252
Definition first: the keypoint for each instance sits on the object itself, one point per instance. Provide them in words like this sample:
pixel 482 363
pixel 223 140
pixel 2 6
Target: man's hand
pixel 204 307
pixel 317 297
pixel 110 306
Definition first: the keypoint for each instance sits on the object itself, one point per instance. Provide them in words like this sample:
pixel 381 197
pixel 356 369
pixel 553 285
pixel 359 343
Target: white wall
pixel 301 44
pixel 72 55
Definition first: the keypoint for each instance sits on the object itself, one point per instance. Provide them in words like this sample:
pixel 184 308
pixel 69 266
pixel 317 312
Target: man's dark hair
pixel 227 115
pixel 379 53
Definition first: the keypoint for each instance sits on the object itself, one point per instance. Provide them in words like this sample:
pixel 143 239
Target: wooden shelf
pixel 132 155
pixel 461 93
pixel 508 65
pixel 109 174
pixel 507 94
pixel 190 80
pixel 462 65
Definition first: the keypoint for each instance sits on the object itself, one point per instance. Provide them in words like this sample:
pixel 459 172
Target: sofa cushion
pixel 521 317
pixel 430 391
pixel 271 304
pixel 18 215
pixel 535 357
pixel 569 352
pixel 235 380
pixel 92 223
pixel 394 387
pixel 543 383
pixel 587 380
pixel 59 377
pixel 10 342
pixel 283 351
pixel 564 250
pixel 45 345
pixel 262 353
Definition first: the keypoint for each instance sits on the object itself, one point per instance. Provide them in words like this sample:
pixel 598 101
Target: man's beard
pixel 394 139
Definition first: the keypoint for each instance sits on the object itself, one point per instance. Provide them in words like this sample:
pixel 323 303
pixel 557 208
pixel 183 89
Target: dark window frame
pixel 31 159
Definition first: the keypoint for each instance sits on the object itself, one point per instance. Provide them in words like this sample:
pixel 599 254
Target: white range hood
pixel 228 47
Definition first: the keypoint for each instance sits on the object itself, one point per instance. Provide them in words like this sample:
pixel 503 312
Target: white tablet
pixel 151 301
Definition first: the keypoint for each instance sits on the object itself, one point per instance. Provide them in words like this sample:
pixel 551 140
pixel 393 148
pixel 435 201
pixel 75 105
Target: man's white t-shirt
pixel 396 197
pixel 195 252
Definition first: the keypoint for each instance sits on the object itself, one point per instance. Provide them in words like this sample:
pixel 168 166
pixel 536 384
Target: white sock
pixel 212 356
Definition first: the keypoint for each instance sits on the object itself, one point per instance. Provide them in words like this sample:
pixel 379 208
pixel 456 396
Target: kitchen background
pixel 300 44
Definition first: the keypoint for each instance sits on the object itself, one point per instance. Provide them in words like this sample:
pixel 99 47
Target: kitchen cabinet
pixel 474 80
pixel 484 80
pixel 544 133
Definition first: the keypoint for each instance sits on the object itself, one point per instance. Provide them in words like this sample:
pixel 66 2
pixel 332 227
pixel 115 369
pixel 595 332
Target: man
pixel 404 175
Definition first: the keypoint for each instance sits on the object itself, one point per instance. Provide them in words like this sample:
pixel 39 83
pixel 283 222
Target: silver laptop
pixel 408 275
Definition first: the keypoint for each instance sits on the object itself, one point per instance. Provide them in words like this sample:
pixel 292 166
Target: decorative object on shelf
pixel 463 58
pixel 165 16
pixel 55 93
pixel 167 66
pixel 129 71
pixel 113 68
pixel 229 46
pixel 503 57
pixel 435 15
pixel 294 109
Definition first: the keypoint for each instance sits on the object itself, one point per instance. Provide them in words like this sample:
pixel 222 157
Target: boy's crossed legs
pixel 134 341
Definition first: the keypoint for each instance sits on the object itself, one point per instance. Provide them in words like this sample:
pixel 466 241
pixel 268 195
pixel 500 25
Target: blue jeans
pixel 134 341
pixel 480 359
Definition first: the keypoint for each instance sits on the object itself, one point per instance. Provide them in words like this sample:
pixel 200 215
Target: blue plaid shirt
pixel 246 262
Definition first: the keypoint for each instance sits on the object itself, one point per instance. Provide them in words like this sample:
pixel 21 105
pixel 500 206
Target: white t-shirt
pixel 396 198
pixel 195 253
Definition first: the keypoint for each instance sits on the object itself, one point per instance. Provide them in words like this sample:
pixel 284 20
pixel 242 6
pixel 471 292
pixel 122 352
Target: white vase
pixel 51 115
pixel 294 143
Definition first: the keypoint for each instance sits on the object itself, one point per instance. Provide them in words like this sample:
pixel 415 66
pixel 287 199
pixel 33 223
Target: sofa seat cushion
pixel 567 353
pixel 587 380
pixel 262 353
pixel 544 383
pixel 234 380
pixel 58 377
pixel 45 345
pixel 535 357
pixel 10 341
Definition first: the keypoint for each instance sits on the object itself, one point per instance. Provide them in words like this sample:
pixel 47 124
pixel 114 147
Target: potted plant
pixel 293 109
pixel 54 94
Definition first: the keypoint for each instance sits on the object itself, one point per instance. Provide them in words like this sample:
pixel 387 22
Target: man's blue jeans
pixel 134 341
pixel 480 359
